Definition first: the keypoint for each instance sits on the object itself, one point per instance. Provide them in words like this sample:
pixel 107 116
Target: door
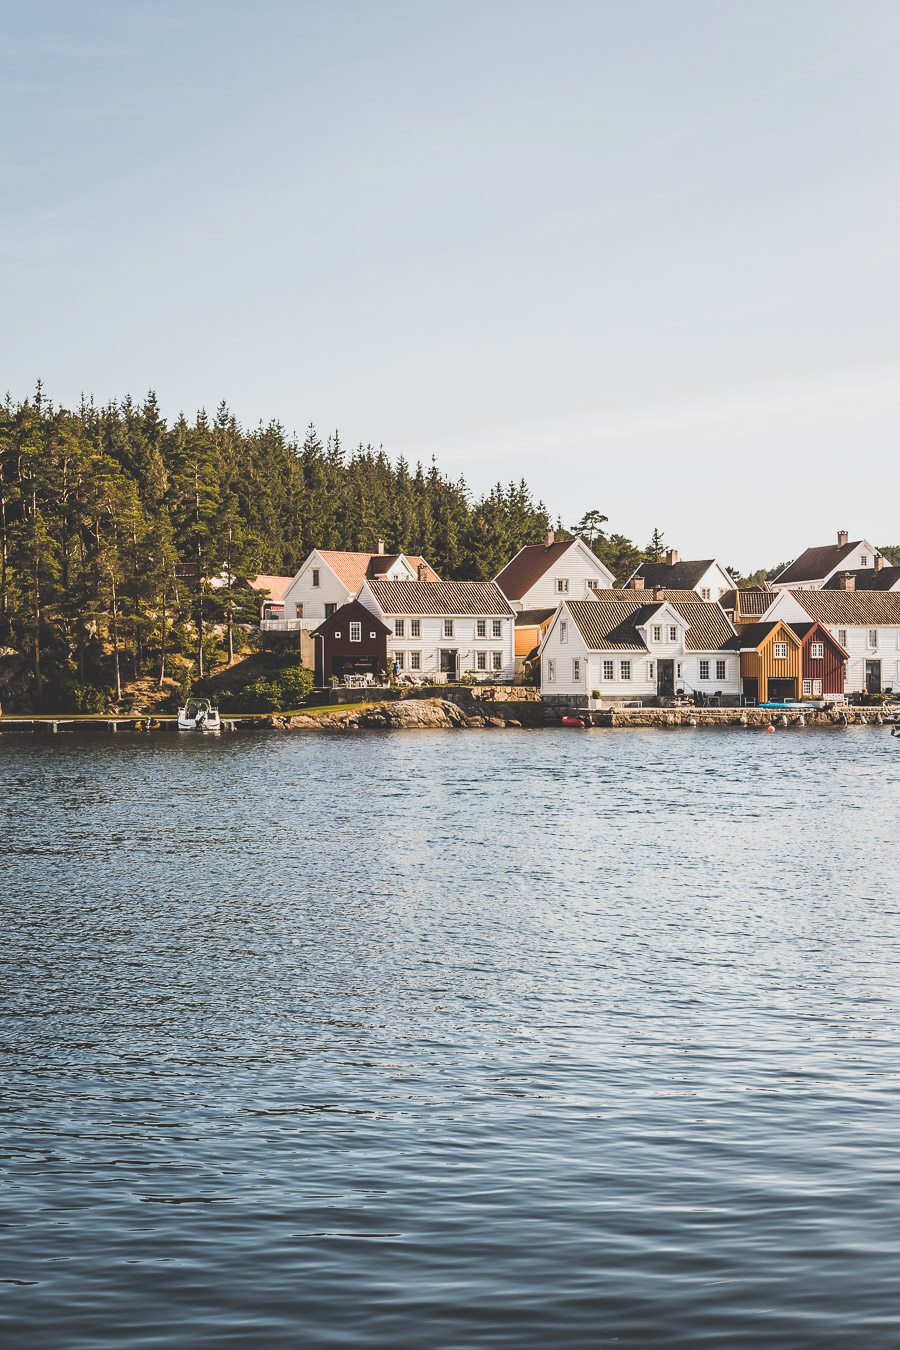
pixel 873 677
pixel 449 663
pixel 665 678
pixel 779 690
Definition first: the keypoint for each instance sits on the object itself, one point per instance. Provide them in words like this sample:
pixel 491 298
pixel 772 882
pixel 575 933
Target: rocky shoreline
pixel 442 714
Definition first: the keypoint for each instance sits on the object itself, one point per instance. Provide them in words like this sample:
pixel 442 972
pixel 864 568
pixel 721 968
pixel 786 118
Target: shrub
pixel 281 692
pixel 78 696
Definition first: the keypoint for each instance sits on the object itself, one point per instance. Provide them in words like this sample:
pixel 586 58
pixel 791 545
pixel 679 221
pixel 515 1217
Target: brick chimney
pixel 672 557
pixel 659 594
pixel 847 582
pixel 879 561
pixel 549 538
pixel 379 546
pixel 843 538
pixel 636 584
pixel 422 572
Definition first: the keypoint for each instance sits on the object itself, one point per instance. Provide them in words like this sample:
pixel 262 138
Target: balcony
pixel 281 625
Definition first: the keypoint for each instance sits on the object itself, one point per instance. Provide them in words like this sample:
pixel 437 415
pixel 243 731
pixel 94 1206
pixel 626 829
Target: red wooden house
pixel 351 641
pixel 822 660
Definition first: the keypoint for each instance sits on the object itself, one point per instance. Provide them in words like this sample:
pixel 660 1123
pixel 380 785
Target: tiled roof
pixel 753 600
pixel 749 638
pixel 453 598
pixel 816 563
pixel 528 566
pixel 353 568
pixel 852 609
pixel 867 579
pixel 276 586
pixel 805 630
pixel 675 576
pixel 611 620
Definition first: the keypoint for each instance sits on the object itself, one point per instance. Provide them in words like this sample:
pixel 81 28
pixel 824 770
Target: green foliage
pixel 283 691
pixel 891 554
pixel 78 696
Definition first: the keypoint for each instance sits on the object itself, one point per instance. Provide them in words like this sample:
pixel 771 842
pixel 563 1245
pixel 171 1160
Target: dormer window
pixel 673 633
pixel 657 632
pixel 705 592
pixel 864 560
pixel 593 583
pixel 562 585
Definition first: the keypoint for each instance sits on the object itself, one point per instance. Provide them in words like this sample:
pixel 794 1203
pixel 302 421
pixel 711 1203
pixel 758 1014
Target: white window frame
pixel 315 576
pixel 355 631
pixel 576 670
pixel 496 628
pixel 399 628
pixel 625 670
pixel 721 670
pixel 673 633
pixel 704 670
pixel 650 675
pixel 864 560
pixel 609 670
pixel 415 628
pixel 481 660
pixel 562 585
pixel 593 583
pixel 779 651
pixel 415 660
pixel 705 593
pixel 872 639
pixel 563 631
pixel 657 632
pixel 481 627
pixel 842 637
pixel 497 660
pixel 551 670
pixel 448 628
pixel 816 651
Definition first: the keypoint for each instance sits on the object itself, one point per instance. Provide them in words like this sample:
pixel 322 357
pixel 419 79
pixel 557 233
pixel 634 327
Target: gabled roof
pixel 805 631
pixel 851 609
pixel 751 637
pixel 613 619
pixel 352 609
pixel 533 618
pixel 450 598
pixel 353 568
pixel 276 586
pixel 816 563
pixel 753 600
pixel 531 563
pixel 683 576
pixel 866 578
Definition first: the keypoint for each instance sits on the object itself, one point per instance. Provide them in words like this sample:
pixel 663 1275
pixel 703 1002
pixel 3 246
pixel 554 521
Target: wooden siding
pixel 762 665
pixel 337 655
pixel 829 668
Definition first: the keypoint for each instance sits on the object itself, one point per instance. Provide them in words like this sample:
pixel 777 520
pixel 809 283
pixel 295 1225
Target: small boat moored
pixel 199 715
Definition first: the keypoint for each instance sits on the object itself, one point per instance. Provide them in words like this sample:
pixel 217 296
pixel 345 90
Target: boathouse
pixel 352 641
pixel 771 661
pixel 823 661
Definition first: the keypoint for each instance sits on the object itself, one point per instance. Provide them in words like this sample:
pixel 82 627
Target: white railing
pixel 280 625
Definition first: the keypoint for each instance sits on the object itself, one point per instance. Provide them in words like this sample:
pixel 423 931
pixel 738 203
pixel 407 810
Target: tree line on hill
pixel 115 523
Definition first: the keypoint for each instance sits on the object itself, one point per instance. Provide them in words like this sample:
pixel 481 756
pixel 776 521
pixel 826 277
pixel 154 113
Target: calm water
pixel 450 1040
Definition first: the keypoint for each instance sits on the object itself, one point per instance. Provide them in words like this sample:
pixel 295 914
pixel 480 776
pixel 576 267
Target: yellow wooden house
pixel 771 661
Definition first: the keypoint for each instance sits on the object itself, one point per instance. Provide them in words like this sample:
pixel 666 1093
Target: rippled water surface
pixel 466 1039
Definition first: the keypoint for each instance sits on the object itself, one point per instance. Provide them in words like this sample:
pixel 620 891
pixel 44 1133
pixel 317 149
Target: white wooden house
pixel 540 575
pixel 865 623
pixel 329 578
pixel 818 565
pixel 441 630
pixel 706 576
pixel 625 645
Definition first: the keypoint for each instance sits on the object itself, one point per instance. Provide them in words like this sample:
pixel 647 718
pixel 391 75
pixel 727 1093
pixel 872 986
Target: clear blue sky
pixel 643 254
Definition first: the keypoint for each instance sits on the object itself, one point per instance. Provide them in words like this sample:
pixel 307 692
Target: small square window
pixel 338 636
pixel 593 583
pixel 481 627
pixel 817 650
pixel 415 628
pixel 779 650
pixel 704 592
pixel 562 585
pixel 356 632
pixel 371 635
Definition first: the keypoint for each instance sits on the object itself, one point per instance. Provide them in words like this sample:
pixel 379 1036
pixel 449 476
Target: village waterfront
pixel 497 1039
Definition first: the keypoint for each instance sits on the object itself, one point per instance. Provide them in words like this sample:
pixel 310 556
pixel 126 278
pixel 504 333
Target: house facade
pixel 541 575
pixel 771 661
pixel 443 630
pixel 351 641
pixel 707 576
pixel 624 645
pixel 328 579
pixel 817 566
pixel 866 624
pixel 822 661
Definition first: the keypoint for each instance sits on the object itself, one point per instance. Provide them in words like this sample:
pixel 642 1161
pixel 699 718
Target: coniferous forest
pixel 113 523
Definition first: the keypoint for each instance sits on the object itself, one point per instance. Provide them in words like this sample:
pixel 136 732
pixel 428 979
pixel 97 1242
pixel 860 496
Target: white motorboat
pixel 199 715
